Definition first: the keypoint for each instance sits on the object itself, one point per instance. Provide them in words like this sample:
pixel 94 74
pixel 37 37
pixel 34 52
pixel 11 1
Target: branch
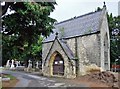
pixel 5 7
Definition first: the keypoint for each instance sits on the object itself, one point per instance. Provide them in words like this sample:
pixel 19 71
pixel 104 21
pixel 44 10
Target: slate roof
pixel 77 26
pixel 67 50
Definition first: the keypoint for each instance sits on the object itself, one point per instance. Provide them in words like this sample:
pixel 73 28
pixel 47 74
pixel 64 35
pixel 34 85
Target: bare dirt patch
pixel 9 84
pixel 95 80
pixel 100 79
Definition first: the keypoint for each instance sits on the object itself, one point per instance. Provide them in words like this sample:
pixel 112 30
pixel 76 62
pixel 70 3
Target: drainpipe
pixel 76 59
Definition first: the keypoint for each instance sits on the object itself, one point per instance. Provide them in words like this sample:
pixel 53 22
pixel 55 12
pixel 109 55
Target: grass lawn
pixel 10 83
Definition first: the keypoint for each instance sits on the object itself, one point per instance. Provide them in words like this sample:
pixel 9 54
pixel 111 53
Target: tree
pixel 29 21
pixel 114 27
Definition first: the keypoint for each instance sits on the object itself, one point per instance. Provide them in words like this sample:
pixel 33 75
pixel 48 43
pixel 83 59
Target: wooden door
pixel 58 66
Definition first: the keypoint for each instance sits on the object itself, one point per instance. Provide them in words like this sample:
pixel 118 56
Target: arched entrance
pixel 58 65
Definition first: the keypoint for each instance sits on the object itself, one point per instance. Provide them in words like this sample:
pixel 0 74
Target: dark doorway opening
pixel 58 65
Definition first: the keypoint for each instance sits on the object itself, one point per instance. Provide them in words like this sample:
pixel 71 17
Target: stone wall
pixel 69 65
pixel 88 51
pixel 71 44
pixel 45 49
pixel 91 49
pixel 105 39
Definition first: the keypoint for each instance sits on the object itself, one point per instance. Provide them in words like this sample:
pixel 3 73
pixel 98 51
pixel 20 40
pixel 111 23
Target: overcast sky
pixel 67 9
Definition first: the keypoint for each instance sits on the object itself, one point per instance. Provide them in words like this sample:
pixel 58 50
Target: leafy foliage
pixel 114 27
pixel 22 29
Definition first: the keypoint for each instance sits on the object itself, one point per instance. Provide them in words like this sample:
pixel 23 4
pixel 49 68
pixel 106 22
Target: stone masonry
pixel 83 42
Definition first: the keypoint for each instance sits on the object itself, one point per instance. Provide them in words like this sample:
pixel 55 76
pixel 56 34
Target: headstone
pixel 12 65
pixel 29 65
pixel 37 65
pixel 19 67
pixel 8 64
pixel 17 63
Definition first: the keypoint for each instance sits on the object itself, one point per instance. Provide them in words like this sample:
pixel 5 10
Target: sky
pixel 66 9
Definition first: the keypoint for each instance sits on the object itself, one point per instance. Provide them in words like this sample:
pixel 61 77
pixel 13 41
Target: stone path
pixel 28 80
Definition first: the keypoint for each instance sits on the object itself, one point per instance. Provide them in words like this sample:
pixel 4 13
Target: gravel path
pixel 29 80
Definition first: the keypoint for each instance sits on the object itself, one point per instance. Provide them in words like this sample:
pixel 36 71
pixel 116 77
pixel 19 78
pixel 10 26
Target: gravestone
pixel 8 64
pixel 19 67
pixel 37 64
pixel 29 66
pixel 12 65
pixel 17 63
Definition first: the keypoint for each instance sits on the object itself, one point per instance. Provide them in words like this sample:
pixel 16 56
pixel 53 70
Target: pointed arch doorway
pixel 56 64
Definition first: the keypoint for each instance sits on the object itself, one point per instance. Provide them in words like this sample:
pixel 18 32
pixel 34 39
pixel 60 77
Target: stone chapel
pixel 76 43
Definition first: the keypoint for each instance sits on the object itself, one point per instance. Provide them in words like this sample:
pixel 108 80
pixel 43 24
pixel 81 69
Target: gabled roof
pixel 66 49
pixel 77 26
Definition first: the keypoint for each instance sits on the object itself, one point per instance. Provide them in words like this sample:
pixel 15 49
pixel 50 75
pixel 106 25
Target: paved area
pixel 29 80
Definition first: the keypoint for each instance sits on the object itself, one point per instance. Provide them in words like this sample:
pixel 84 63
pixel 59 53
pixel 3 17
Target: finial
pixel 104 4
pixel 56 34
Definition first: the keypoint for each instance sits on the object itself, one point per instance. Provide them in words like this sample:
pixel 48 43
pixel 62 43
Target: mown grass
pixel 13 81
pixel 9 76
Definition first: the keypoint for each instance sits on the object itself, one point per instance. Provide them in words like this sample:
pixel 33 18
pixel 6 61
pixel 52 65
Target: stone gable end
pixel 69 70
